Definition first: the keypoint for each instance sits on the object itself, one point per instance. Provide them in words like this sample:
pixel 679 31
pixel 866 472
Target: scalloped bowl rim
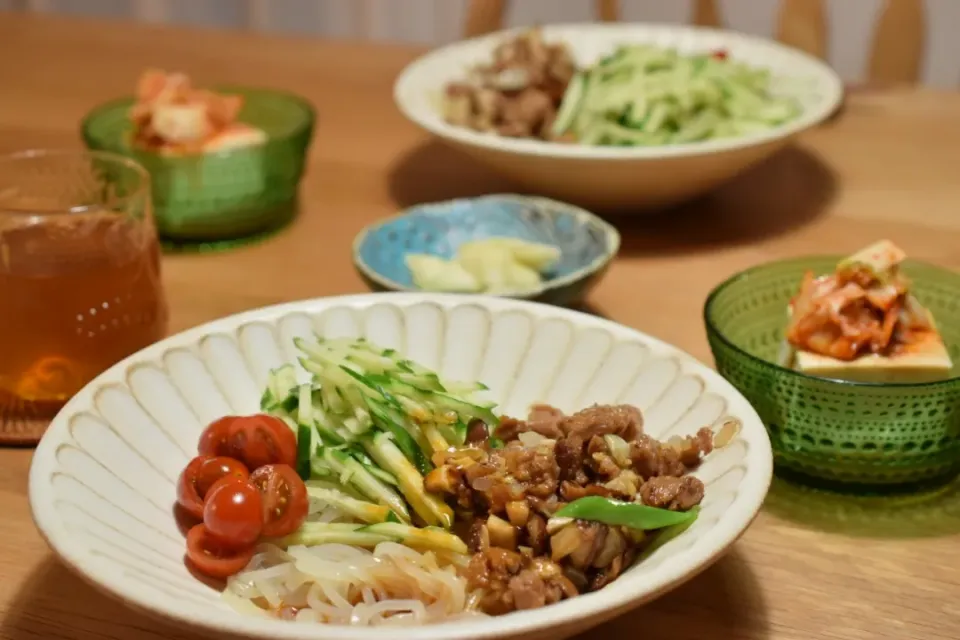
pixel 431 120
pixel 611 235
pixel 615 598
pixel 712 329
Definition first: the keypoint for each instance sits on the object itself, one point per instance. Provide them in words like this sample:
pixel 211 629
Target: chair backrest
pixel 896 50
pixel 258 11
pixel 895 56
pixel 145 10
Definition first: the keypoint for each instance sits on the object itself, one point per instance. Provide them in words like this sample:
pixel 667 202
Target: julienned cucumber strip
pixel 317 533
pixel 280 391
pixel 313 534
pixel 374 401
pixel 401 436
pixel 570 107
pixel 304 450
pixel 367 424
pixel 439 405
pixel 428 538
pixel 354 473
pixel 313 416
pixel 359 509
pixel 357 451
pixel 428 506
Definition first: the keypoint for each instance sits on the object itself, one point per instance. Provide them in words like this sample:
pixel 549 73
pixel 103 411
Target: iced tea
pixel 79 278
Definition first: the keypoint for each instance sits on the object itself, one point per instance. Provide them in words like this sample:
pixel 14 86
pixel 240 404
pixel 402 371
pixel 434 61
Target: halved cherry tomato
pixel 254 440
pixel 215 469
pixel 199 475
pixel 285 502
pixel 233 513
pixel 210 558
pixel 215 438
pixel 187 496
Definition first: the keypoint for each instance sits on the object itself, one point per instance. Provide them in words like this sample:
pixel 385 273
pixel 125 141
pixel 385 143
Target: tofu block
pixel 924 362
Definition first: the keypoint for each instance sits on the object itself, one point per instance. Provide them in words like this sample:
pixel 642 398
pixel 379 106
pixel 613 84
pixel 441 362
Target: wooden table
pixel 808 569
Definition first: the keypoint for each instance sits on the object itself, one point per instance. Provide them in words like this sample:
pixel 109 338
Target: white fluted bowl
pixel 634 180
pixel 102 480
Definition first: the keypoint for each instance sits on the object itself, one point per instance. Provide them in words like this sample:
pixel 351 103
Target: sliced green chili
pixel 663 536
pixel 624 514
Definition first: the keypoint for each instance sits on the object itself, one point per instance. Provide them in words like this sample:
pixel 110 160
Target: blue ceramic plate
pixel 587 244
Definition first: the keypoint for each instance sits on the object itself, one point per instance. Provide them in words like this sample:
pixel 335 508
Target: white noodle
pixel 271 592
pixel 339 584
pixel 308 615
pixel 243 605
pixel 264 574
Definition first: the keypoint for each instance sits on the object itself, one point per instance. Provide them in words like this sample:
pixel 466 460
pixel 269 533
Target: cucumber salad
pixel 646 95
pixel 639 95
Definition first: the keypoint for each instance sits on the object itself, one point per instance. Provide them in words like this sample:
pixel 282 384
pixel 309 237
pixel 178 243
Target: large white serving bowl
pixel 102 480
pixel 628 179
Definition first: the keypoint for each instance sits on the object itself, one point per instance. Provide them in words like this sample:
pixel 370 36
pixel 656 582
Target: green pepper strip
pixel 663 536
pixel 624 514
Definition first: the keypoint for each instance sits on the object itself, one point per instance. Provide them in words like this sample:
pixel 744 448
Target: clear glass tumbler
pixel 80 281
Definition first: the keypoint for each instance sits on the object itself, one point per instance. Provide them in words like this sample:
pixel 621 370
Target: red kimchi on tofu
pixel 863 323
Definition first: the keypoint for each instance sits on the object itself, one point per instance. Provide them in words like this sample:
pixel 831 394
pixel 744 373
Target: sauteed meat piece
pixel 513 493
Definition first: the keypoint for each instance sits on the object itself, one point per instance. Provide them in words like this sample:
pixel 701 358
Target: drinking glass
pixel 79 278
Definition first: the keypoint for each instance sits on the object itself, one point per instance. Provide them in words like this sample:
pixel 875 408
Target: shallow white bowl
pixel 102 481
pixel 641 178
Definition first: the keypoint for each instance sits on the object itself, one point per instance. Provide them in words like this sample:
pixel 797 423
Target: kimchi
pixel 171 116
pixel 863 307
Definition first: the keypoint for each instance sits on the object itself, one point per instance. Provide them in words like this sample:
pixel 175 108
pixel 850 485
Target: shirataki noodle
pixel 341 584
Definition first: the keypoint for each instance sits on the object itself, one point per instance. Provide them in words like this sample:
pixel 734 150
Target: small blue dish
pixel 587 244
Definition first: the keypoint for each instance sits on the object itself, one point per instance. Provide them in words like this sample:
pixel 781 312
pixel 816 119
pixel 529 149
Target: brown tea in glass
pixel 80 281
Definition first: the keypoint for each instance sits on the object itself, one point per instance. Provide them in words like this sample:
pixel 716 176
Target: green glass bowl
pixel 228 194
pixel 841 432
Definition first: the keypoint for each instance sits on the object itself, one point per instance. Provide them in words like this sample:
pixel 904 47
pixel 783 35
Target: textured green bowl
pixel 841 432
pixel 223 195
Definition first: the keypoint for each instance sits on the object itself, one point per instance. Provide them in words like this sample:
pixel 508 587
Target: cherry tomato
pixel 213 470
pixel 210 558
pixel 284 495
pixel 254 440
pixel 214 439
pixel 719 54
pixel 187 496
pixel 199 475
pixel 233 513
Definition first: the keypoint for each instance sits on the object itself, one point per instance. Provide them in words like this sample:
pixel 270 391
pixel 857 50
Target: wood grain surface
pixel 812 567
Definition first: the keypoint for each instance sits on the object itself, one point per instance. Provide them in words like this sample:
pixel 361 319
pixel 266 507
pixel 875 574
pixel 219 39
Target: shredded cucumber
pixel 368 424
pixel 427 538
pixel 643 95
pixel 359 509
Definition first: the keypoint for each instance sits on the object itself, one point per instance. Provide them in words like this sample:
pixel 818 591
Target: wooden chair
pixel 895 57
pixel 158 10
